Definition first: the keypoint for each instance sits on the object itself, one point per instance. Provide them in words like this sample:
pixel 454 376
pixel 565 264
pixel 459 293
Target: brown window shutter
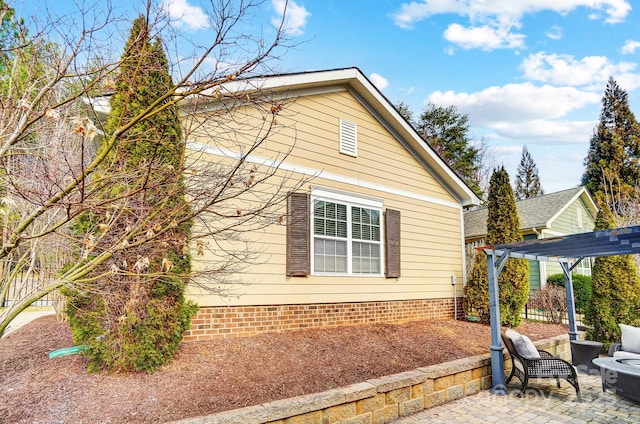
pixel 298 235
pixel 392 243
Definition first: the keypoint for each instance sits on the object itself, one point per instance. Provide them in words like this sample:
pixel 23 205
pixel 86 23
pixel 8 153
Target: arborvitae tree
pixel 133 316
pixel 612 165
pixel 503 226
pixel 527 180
pixel 447 132
pixel 616 288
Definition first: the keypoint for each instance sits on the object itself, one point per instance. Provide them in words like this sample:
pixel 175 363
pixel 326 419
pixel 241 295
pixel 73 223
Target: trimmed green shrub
pixel 476 295
pixel 582 288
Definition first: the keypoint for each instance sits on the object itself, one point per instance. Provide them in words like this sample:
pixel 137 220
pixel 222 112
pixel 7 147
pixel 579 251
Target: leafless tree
pixel 52 111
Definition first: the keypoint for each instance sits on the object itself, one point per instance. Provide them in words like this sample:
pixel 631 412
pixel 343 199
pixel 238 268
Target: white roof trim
pixel 313 173
pixel 591 207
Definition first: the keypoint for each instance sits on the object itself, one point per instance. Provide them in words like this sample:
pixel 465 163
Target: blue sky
pixel 527 72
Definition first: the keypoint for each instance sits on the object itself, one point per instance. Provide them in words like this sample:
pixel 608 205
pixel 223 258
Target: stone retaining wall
pixel 380 400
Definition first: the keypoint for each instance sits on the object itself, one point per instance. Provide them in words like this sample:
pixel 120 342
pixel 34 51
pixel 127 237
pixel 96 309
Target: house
pixel 556 214
pixel 376 233
pixel 374 217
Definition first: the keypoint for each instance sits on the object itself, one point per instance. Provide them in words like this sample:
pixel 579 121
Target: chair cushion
pixel 526 347
pixel 630 338
pixel 512 334
pixel 523 344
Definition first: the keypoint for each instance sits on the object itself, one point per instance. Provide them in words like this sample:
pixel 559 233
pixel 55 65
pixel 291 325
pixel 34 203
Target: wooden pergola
pixel 566 250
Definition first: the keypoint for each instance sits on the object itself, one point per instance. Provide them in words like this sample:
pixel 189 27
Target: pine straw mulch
pixel 211 376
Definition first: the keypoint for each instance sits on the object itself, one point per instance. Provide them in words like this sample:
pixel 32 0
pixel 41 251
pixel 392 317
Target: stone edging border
pixel 379 400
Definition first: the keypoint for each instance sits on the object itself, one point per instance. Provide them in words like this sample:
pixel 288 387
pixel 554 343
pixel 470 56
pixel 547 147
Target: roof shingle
pixel 535 212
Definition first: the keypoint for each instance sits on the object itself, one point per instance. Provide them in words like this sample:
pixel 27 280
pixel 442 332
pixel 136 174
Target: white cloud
pixel 630 46
pixel 543 132
pixel 491 21
pixel 517 102
pixel 186 15
pixel 567 70
pixel 555 32
pixel 508 149
pixel 627 81
pixel 525 111
pixel 484 37
pixel 295 19
pixel 415 11
pixel 410 13
pixel 379 81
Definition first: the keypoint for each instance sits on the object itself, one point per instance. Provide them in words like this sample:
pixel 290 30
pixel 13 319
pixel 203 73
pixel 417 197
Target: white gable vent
pixel 579 221
pixel 348 138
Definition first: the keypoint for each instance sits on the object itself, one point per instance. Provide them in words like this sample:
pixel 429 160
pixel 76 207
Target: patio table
pixel 621 376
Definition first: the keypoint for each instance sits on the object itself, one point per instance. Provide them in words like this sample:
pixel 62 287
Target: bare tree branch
pixel 51 120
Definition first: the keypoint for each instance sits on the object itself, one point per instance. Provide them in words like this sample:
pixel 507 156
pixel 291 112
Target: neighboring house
pixel 565 212
pixel 375 235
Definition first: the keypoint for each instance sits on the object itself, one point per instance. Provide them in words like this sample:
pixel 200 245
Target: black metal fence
pixel 534 314
pixel 29 281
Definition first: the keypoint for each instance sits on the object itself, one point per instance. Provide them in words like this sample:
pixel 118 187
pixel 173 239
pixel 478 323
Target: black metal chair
pixel 547 366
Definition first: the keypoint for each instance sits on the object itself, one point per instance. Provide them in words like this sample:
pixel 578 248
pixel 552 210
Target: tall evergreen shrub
pixel 132 313
pixel 616 289
pixel 503 226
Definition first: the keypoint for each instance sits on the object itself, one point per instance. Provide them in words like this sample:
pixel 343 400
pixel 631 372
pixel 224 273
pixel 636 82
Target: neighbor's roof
pixel 617 241
pixel 536 212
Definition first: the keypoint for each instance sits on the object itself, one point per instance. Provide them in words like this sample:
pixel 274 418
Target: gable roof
pixel 376 103
pixel 353 80
pixel 536 212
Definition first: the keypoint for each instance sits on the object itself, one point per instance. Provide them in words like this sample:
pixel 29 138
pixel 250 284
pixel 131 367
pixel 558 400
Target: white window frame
pixel 584 267
pixel 350 200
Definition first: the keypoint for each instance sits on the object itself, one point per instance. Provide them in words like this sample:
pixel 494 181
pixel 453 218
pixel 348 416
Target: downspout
pixel 542 265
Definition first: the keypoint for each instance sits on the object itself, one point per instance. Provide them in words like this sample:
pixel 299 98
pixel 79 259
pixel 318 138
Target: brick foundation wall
pixel 242 321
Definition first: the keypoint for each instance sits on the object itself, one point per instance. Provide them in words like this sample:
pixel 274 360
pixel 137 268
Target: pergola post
pixel 497 357
pixel 571 303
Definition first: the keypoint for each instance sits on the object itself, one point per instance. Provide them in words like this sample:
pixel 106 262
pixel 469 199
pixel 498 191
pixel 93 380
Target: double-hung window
pixel 347 234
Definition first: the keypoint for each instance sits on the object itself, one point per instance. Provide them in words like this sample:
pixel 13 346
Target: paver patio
pixel 542 403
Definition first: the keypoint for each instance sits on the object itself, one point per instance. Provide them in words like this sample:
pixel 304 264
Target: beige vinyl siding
pixel 431 232
pixel 314 127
